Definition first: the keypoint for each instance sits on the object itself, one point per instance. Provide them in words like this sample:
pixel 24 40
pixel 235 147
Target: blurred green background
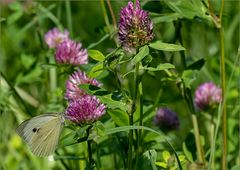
pixel 23 54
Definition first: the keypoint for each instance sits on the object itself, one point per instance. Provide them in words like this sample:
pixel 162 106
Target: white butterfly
pixel 42 133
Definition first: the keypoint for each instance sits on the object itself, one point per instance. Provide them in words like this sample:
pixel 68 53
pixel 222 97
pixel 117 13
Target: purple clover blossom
pixel 166 118
pixel 207 96
pixel 53 37
pixel 135 27
pixel 71 52
pixel 78 77
pixel 85 110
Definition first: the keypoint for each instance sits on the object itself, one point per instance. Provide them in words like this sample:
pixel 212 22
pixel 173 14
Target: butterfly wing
pixel 42 133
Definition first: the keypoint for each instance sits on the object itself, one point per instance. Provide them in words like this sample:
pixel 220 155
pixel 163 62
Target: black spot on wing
pixel 35 130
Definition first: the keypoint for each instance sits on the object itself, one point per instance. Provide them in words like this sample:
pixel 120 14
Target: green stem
pixel 151 109
pixel 135 90
pixel 53 76
pixel 90 158
pixel 130 147
pixel 139 144
pixel 223 83
pixel 114 22
pixel 200 152
pixel 212 141
pixel 27 109
pixel 224 112
pixel 197 139
pixel 62 161
pixel 69 15
pixel 218 23
pixel 123 155
pixel 178 26
pixel 105 16
pixel 98 158
pixel 112 14
pixel 141 106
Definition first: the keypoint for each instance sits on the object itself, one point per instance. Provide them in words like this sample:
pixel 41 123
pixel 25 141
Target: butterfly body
pixel 42 133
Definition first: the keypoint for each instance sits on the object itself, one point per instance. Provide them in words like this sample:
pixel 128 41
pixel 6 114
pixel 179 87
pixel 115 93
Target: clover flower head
pixel 85 110
pixel 77 78
pixel 207 96
pixel 53 37
pixel 71 52
pixel 166 118
pixel 135 27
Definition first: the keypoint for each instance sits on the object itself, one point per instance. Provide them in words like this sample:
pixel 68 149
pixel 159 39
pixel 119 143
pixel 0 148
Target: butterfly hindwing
pixel 42 133
pixel 46 139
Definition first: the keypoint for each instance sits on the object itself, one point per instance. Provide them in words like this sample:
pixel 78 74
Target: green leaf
pixel 236 167
pixel 189 76
pixel 14 17
pixel 182 158
pixel 189 147
pixel 56 157
pixel 104 96
pixel 45 12
pixel 147 60
pixel 96 70
pixel 68 139
pixel 27 60
pixel 147 160
pixel 160 67
pixel 197 65
pixel 187 152
pixel 99 128
pixel 99 41
pixel 143 52
pixel 15 6
pixel 161 164
pixel 166 155
pixel 158 45
pixel 119 117
pixel 113 104
pixel 49 65
pixel 166 18
pixel 33 75
pixel 188 9
pixel 96 55
pixel 127 128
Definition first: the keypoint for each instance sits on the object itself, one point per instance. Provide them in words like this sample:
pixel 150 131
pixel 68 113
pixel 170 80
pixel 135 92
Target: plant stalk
pixel 130 146
pixel 90 158
pixel 224 111
pixel 112 14
pixel 200 152
pixel 133 108
pixel 52 76
pixel 223 84
pixel 69 16
pixel 105 16
pixel 139 144
pixel 212 141
pixel 197 140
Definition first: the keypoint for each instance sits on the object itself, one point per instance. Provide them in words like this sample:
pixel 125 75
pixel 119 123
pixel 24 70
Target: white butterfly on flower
pixel 42 133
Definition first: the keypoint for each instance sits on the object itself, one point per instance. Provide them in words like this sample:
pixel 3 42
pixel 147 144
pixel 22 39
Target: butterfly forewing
pixel 42 133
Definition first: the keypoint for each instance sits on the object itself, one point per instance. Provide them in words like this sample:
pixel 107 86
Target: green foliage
pixel 147 160
pixel 169 161
pixel 164 73
pixel 96 55
pixel 158 45
pixel 143 52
